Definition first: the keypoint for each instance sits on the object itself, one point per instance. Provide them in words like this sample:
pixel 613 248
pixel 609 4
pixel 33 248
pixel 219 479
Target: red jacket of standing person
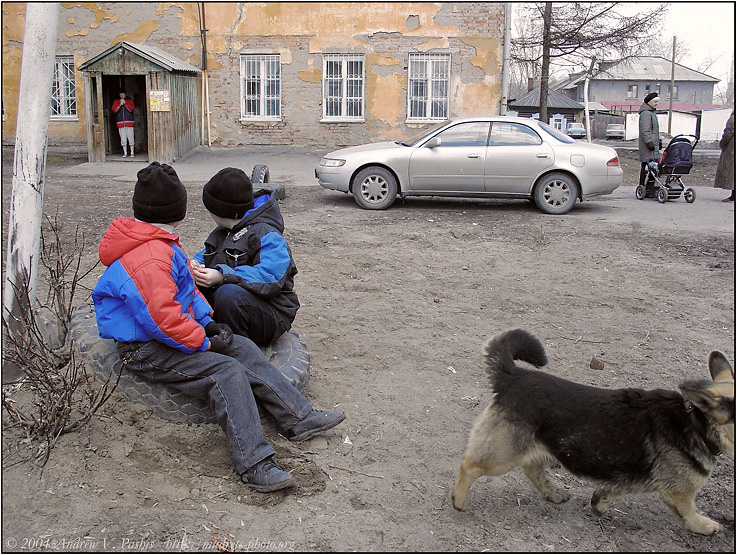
pixel 124 109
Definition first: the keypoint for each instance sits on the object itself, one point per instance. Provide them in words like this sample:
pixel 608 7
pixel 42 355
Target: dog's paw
pixel 599 503
pixel 458 506
pixel 557 496
pixel 702 525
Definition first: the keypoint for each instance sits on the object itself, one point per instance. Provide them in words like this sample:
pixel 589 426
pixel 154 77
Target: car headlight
pixel 332 162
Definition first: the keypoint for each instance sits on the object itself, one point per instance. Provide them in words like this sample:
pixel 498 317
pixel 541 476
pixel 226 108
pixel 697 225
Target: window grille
pixel 428 87
pixel 63 93
pixel 343 87
pixel 260 87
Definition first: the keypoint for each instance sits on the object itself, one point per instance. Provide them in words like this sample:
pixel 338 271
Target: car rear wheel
pixel 374 188
pixel 556 193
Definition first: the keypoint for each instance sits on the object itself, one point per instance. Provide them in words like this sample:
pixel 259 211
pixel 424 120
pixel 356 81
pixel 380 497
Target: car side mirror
pixel 432 143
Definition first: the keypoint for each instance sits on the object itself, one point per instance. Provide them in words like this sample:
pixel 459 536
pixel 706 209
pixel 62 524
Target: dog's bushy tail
pixel 502 350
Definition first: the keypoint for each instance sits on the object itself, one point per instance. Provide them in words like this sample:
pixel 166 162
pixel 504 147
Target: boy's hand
pixel 206 277
pixel 220 336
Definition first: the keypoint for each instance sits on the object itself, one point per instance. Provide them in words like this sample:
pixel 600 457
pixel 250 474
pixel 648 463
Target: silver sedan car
pixel 485 157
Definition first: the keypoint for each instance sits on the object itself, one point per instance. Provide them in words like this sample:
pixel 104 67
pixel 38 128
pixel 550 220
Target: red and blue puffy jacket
pixel 147 291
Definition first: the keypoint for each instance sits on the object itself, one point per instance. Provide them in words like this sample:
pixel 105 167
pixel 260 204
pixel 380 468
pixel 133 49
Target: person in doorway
pixel 123 109
pixel 724 178
pixel 649 143
pixel 246 269
pixel 147 301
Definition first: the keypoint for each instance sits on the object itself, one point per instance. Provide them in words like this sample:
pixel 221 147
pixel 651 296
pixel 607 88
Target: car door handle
pixel 474 156
pixel 542 155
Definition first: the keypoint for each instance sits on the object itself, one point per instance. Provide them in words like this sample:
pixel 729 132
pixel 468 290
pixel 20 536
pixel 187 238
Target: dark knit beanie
pixel 649 97
pixel 229 194
pixel 159 196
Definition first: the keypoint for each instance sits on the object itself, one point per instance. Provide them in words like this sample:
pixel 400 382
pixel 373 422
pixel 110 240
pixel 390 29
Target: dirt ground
pixel 396 307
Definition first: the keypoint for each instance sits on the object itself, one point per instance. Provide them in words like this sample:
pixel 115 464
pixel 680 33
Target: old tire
pixel 260 174
pixel 288 353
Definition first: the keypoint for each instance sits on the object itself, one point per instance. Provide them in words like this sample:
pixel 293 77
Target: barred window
pixel 428 87
pixel 260 86
pixel 63 93
pixel 343 87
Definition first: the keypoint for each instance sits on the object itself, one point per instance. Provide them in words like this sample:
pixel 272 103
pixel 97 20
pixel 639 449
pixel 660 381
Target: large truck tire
pixel 288 353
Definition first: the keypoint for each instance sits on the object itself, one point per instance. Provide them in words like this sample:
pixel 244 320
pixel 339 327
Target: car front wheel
pixel 375 188
pixel 556 193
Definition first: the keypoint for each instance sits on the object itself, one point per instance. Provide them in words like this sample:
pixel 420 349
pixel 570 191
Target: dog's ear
pixel 719 368
pixel 713 399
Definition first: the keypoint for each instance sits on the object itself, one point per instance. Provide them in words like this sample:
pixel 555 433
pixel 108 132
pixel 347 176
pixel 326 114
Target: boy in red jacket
pixel 123 109
pixel 148 302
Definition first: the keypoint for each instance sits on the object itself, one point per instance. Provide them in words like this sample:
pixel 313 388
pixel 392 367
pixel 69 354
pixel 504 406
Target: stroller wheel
pixel 662 195
pixel 640 192
pixel 689 195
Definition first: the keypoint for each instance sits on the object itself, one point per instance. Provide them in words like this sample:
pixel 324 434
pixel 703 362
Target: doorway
pixel 134 87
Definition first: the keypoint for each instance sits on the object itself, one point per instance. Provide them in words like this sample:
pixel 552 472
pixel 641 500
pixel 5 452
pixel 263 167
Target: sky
pixel 707 28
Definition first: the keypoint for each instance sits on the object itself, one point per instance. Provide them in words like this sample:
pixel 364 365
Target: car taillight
pixel 613 162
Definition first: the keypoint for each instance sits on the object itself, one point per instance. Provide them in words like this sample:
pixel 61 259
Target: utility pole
pixel 29 167
pixel 506 61
pixel 672 85
pixel 545 70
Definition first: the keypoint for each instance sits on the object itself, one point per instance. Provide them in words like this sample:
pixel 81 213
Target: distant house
pixel 621 86
pixel 561 109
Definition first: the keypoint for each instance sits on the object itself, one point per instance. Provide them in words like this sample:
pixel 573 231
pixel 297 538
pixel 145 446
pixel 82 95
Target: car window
pixel 506 133
pixel 472 133
pixel 419 137
pixel 555 133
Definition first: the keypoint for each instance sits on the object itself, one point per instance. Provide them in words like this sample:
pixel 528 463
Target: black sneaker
pixel 267 476
pixel 315 422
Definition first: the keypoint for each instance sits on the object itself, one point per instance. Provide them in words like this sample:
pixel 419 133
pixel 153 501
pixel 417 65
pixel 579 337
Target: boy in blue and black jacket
pixel 246 269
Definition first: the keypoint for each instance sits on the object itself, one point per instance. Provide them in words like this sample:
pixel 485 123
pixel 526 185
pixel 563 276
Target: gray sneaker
pixel 315 422
pixel 266 476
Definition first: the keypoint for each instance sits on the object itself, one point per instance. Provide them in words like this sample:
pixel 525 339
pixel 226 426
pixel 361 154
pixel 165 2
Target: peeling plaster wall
pixel 385 32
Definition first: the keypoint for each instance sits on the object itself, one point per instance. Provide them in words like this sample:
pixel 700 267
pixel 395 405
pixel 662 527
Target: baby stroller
pixel 663 180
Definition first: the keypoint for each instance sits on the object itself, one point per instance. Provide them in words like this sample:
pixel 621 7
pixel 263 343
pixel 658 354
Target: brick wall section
pixel 469 31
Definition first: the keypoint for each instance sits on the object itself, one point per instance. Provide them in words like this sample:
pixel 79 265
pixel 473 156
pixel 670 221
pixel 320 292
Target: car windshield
pixel 616 126
pixel 422 134
pixel 575 125
pixel 555 133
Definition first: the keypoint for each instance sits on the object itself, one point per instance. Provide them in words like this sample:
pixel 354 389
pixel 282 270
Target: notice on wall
pixel 159 100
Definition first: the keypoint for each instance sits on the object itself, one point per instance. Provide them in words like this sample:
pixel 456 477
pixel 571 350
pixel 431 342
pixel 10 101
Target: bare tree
pixel 575 33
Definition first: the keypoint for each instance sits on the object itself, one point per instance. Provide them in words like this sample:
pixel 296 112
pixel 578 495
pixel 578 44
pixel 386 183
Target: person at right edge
pixel 724 178
pixel 649 143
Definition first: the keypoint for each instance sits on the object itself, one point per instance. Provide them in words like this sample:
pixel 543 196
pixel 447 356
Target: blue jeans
pixel 231 382
pixel 247 314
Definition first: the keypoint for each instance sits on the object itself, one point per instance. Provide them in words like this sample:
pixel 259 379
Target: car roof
pixel 517 119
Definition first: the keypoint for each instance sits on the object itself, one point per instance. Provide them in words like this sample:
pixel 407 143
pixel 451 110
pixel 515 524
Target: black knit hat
pixel 159 196
pixel 649 97
pixel 229 194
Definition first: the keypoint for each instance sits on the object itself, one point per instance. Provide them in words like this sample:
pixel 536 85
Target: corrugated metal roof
pixel 641 68
pixel 555 100
pixel 152 53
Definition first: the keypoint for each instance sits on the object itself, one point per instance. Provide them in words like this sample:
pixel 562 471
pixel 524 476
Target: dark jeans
pixel 247 314
pixel 231 382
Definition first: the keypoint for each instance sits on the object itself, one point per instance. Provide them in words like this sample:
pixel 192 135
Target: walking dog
pixel 623 440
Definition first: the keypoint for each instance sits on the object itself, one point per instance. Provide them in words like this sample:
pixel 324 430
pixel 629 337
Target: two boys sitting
pixel 148 300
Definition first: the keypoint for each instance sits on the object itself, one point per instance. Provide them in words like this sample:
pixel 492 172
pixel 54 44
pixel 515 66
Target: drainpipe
pixel 506 57
pixel 29 168
pixel 205 80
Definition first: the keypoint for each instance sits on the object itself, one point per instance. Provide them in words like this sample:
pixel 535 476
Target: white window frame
pixel 632 91
pixel 344 91
pixel 64 90
pixel 675 92
pixel 264 71
pixel 428 87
